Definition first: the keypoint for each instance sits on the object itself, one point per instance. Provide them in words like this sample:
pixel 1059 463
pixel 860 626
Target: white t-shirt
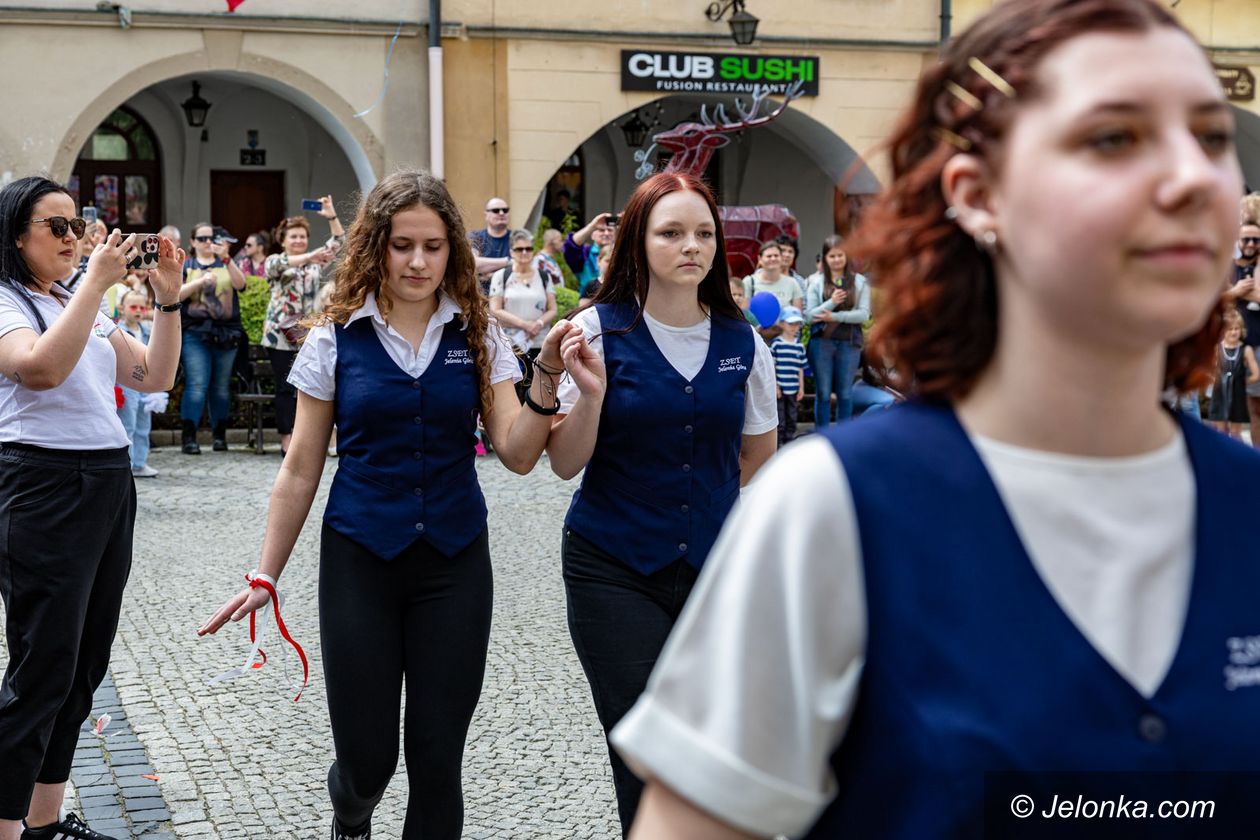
pixel 785 289
pixel 758 681
pixel 314 370
pixel 686 348
pixel 526 298
pixel 81 412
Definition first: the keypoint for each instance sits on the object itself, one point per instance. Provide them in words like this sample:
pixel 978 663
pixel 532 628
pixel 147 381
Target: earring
pixel 951 213
pixel 987 241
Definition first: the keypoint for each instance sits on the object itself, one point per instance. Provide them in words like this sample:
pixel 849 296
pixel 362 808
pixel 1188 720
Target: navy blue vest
pixel 972 667
pixel 407 468
pixel 665 470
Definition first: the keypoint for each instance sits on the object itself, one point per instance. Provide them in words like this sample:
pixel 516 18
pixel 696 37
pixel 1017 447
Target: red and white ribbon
pixel 256 628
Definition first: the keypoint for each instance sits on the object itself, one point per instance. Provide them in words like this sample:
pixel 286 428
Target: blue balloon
pixel 765 308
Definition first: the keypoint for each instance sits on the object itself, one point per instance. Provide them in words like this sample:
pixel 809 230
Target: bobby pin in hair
pixel 985 72
pixel 956 140
pixel 968 98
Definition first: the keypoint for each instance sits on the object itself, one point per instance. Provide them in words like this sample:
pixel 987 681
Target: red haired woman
pixel 989 581
pixel 671 409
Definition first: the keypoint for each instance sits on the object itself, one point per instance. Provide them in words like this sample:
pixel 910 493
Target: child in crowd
pixel 789 370
pixel 1236 370
pixel 133 307
pixel 741 300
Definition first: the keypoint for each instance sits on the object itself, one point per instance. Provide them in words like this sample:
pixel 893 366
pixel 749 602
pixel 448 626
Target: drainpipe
pixel 947 16
pixel 437 122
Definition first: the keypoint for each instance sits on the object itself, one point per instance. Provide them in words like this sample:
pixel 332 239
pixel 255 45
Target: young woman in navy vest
pixel 1031 566
pixel 402 361
pixel 670 409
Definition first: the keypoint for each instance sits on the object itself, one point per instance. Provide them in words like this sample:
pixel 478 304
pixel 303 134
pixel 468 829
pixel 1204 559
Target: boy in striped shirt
pixel 789 370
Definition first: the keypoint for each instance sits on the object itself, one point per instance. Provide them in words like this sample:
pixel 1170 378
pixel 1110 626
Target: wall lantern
pixel 635 130
pixel 743 24
pixel 195 108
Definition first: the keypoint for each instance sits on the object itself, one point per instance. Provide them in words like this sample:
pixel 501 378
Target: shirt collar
pixel 447 310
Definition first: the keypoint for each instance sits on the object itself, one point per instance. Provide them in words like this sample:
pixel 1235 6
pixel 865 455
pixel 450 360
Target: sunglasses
pixel 136 307
pixel 203 239
pixel 60 224
pixel 503 210
pixel 1246 240
pixel 528 250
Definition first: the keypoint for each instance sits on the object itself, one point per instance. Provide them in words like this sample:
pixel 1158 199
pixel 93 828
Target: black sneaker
pixel 339 833
pixel 220 436
pixel 191 448
pixel 220 445
pixel 70 827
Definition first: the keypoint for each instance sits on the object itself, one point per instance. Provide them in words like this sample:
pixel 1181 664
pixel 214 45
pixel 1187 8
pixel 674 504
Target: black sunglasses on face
pixel 1246 240
pixel 60 224
pixel 497 210
pixel 522 250
pixel 203 239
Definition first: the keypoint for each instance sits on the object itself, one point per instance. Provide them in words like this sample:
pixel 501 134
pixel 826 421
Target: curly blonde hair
pixel 361 265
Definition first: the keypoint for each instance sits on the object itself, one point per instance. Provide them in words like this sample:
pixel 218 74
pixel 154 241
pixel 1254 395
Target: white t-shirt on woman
pixel 526 298
pixel 81 412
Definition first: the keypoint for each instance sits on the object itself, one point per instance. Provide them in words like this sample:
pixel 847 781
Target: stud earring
pixel 987 241
pixel 951 213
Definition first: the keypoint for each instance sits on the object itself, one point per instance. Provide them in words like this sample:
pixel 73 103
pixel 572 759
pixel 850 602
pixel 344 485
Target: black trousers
pixel 788 412
pixel 286 394
pixel 66 520
pixel 619 620
pixel 422 616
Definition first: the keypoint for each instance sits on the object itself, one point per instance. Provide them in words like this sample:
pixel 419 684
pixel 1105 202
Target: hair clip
pixel 985 72
pixel 968 98
pixel 956 140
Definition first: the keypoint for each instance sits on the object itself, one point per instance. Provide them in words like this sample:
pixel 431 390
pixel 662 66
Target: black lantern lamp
pixel 195 108
pixel 635 130
pixel 743 23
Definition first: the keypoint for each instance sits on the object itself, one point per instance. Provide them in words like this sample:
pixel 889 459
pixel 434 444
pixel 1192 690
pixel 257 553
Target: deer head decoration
pixel 693 143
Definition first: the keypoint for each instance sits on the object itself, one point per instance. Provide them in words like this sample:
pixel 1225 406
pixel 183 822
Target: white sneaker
pixel 144 472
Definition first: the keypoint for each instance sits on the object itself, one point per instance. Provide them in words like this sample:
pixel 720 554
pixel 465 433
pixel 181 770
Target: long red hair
pixel 937 318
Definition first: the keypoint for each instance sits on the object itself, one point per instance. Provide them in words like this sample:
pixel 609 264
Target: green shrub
pixel 566 301
pixel 254 306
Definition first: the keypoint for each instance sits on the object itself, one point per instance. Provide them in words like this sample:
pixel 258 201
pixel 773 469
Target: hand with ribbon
pixel 260 591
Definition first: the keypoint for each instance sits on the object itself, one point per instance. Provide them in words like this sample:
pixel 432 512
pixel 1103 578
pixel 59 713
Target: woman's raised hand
pixel 326 208
pixel 235 608
pixel 108 262
pixel 169 274
pixel 583 364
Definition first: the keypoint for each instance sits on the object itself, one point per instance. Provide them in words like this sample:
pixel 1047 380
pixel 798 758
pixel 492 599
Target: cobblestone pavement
pixel 241 760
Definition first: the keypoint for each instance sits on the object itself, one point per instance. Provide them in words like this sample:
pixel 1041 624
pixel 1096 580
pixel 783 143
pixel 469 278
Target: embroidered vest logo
pixel 1243 670
pixel 458 357
pixel 735 363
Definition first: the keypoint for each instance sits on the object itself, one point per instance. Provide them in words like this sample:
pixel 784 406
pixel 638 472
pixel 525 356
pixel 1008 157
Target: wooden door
pixel 245 202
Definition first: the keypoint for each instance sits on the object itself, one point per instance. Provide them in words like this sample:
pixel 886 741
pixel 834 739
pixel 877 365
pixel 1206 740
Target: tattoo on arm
pixel 137 373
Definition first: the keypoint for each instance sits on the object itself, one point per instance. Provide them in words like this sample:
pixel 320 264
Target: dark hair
pixel 628 276
pixel 767 245
pixel 938 291
pixel 193 233
pixel 264 239
pixel 787 241
pixel 17 205
pixel 848 277
pixel 361 265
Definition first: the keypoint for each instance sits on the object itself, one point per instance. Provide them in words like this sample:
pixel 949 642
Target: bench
pixel 251 380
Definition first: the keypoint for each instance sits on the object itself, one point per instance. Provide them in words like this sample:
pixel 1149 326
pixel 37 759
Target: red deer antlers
pixel 693 143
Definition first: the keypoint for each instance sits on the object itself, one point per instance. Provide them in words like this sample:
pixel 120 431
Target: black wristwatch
pixel 167 307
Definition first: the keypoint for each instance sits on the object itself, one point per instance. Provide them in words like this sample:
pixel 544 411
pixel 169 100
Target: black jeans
pixel 424 616
pixel 619 620
pixel 66 520
pixel 788 410
pixel 286 394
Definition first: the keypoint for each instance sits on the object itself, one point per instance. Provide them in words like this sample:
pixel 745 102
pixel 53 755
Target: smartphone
pixel 613 219
pixel 312 204
pixel 147 245
pixel 90 215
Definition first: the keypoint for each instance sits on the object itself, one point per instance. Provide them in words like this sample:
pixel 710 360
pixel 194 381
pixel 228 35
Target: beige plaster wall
pixel 342 74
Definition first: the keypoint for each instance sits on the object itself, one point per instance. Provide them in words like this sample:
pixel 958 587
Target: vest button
pixel 415 383
pixel 688 389
pixel 417 419
pixel 686 508
pixel 418 491
pixel 686 467
pixel 1152 728
pixel 688 429
pixel 682 546
pixel 417 455
pixel 420 527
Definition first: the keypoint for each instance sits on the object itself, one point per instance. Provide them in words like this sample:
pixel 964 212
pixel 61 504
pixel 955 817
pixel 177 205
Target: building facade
pixel 308 99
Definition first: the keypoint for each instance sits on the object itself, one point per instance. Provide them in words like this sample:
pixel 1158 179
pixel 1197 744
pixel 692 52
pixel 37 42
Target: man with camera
pixel 582 257
pixel 1245 293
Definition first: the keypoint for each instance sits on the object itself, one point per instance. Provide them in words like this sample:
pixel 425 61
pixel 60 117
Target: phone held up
pixel 147 245
pixel 90 215
pixel 312 204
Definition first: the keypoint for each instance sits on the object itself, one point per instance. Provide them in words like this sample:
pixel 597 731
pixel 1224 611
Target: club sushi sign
pixel 688 72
